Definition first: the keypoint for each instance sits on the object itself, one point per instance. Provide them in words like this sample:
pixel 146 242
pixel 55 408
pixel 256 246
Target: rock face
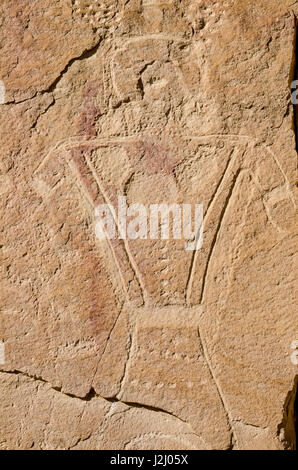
pixel 141 344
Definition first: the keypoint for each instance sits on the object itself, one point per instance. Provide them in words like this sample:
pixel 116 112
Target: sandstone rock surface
pixel 140 344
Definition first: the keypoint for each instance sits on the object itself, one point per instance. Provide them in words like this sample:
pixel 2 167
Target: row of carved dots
pixel 96 12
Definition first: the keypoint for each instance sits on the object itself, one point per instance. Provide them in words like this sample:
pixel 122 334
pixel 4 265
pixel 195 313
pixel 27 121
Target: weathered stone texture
pixel 141 344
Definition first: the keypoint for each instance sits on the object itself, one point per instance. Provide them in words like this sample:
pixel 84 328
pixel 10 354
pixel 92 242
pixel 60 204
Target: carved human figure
pixel 156 351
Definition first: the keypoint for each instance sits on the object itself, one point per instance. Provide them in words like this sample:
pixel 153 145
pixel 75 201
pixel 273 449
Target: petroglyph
pixel 139 343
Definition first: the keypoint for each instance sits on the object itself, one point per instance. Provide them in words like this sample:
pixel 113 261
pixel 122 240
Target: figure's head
pixel 158 77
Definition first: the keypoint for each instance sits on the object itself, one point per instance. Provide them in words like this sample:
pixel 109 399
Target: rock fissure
pixel 287 431
pixel 86 54
pixel 93 395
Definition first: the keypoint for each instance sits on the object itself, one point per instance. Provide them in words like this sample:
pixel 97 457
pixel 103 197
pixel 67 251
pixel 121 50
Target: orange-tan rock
pixel 141 344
